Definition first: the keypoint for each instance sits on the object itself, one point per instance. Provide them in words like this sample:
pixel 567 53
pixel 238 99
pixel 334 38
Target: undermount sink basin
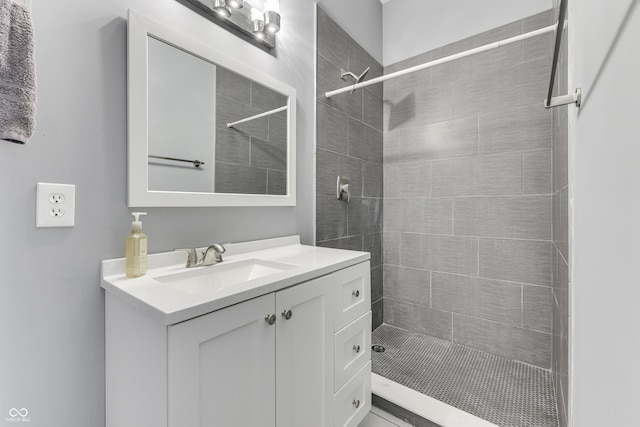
pixel 220 276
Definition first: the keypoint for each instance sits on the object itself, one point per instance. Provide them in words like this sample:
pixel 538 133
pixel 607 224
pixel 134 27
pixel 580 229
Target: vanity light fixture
pixel 221 8
pixel 257 24
pixel 255 21
pixel 272 16
pixel 235 4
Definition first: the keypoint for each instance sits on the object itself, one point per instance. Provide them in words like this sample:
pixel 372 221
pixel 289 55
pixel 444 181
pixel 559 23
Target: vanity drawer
pixel 353 349
pixel 353 294
pixel 353 401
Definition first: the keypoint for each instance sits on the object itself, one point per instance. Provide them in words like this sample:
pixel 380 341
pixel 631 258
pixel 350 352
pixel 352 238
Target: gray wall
pixel 604 209
pixel 51 305
pixel 560 356
pixel 349 143
pixel 468 251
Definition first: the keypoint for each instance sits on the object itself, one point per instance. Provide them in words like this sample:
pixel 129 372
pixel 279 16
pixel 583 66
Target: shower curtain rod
pixel 550 29
pixel 257 116
pixel 480 49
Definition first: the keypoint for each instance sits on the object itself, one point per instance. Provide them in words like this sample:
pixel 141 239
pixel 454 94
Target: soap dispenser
pixel 136 248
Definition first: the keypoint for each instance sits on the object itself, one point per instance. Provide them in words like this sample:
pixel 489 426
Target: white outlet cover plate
pixel 51 214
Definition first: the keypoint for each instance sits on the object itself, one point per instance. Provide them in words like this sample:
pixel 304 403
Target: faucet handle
pixel 192 257
pixel 213 254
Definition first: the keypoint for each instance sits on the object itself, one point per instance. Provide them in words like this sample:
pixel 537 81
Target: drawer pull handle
pixel 356 403
pixel 356 348
pixel 270 319
pixel 287 314
pixel 356 293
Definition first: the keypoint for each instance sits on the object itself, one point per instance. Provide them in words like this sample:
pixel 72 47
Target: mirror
pixel 204 129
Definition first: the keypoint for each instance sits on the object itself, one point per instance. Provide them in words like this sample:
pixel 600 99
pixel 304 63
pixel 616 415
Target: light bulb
pixel 235 4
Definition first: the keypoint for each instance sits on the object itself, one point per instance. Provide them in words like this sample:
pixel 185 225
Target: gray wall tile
pixel 372 110
pixel 278 127
pixel 440 253
pixel 537 172
pixel 496 174
pixel 360 60
pixel 266 99
pixel 561 221
pixel 276 182
pixel 514 86
pixel 407 180
pixel 372 243
pixel 364 142
pixel 233 86
pixel 537 47
pixel 527 261
pixel 524 128
pixel 332 40
pixel 390 248
pixel 420 107
pixel 376 283
pixel 229 110
pixel 539 20
pixel 331 128
pixel 372 179
pixel 377 313
pixel 453 292
pixel 232 147
pixel 268 155
pixel 499 301
pixel 240 179
pixel 537 308
pixel 352 243
pixel 330 165
pixel 364 216
pixel 525 217
pixel 418 318
pixel 403 215
pixel 437 216
pixel 331 218
pixel 516 343
pixel 561 149
pixel 328 78
pixel 407 284
pixel 453 138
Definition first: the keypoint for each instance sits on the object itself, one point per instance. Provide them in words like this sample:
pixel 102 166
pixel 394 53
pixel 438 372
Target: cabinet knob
pixel 270 319
pixel 356 403
pixel 356 348
pixel 356 293
pixel 287 314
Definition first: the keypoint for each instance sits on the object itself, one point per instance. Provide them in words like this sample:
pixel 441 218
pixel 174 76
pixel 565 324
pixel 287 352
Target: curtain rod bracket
pixel 558 101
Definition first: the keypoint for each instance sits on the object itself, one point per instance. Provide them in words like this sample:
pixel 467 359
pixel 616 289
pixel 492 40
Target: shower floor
pixel 501 391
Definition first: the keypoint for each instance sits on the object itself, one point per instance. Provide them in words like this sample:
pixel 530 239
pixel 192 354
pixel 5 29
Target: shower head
pixel 357 79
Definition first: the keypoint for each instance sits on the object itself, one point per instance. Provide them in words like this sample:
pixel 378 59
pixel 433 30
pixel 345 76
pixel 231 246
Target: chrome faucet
pixel 210 256
pixel 213 254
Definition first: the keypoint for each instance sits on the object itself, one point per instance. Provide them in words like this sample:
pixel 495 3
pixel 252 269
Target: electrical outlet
pixel 55 205
pixel 56 198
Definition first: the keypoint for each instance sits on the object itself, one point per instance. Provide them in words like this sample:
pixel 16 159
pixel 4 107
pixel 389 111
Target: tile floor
pixel 379 418
pixel 501 391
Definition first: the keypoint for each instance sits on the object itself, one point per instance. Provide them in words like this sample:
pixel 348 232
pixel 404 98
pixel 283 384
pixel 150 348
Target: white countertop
pixel 169 305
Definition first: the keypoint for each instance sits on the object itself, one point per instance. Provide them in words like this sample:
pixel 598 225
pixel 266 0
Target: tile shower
pixel 471 175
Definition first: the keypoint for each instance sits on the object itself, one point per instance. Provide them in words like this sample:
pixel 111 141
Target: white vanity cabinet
pixel 269 361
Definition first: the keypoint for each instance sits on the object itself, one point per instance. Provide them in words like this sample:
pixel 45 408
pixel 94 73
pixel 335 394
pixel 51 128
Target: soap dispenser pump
pixel 136 248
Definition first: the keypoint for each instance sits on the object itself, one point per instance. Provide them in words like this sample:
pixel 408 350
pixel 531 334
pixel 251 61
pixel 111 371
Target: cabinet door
pixel 221 368
pixel 304 354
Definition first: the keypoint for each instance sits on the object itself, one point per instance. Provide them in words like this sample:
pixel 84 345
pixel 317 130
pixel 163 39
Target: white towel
pixel 17 73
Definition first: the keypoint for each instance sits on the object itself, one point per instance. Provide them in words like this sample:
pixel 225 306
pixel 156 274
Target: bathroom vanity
pixel 279 334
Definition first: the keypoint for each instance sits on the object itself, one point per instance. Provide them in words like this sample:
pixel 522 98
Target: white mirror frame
pixel 140 28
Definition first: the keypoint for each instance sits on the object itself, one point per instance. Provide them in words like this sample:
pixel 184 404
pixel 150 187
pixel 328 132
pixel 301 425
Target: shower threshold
pixel 456 386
